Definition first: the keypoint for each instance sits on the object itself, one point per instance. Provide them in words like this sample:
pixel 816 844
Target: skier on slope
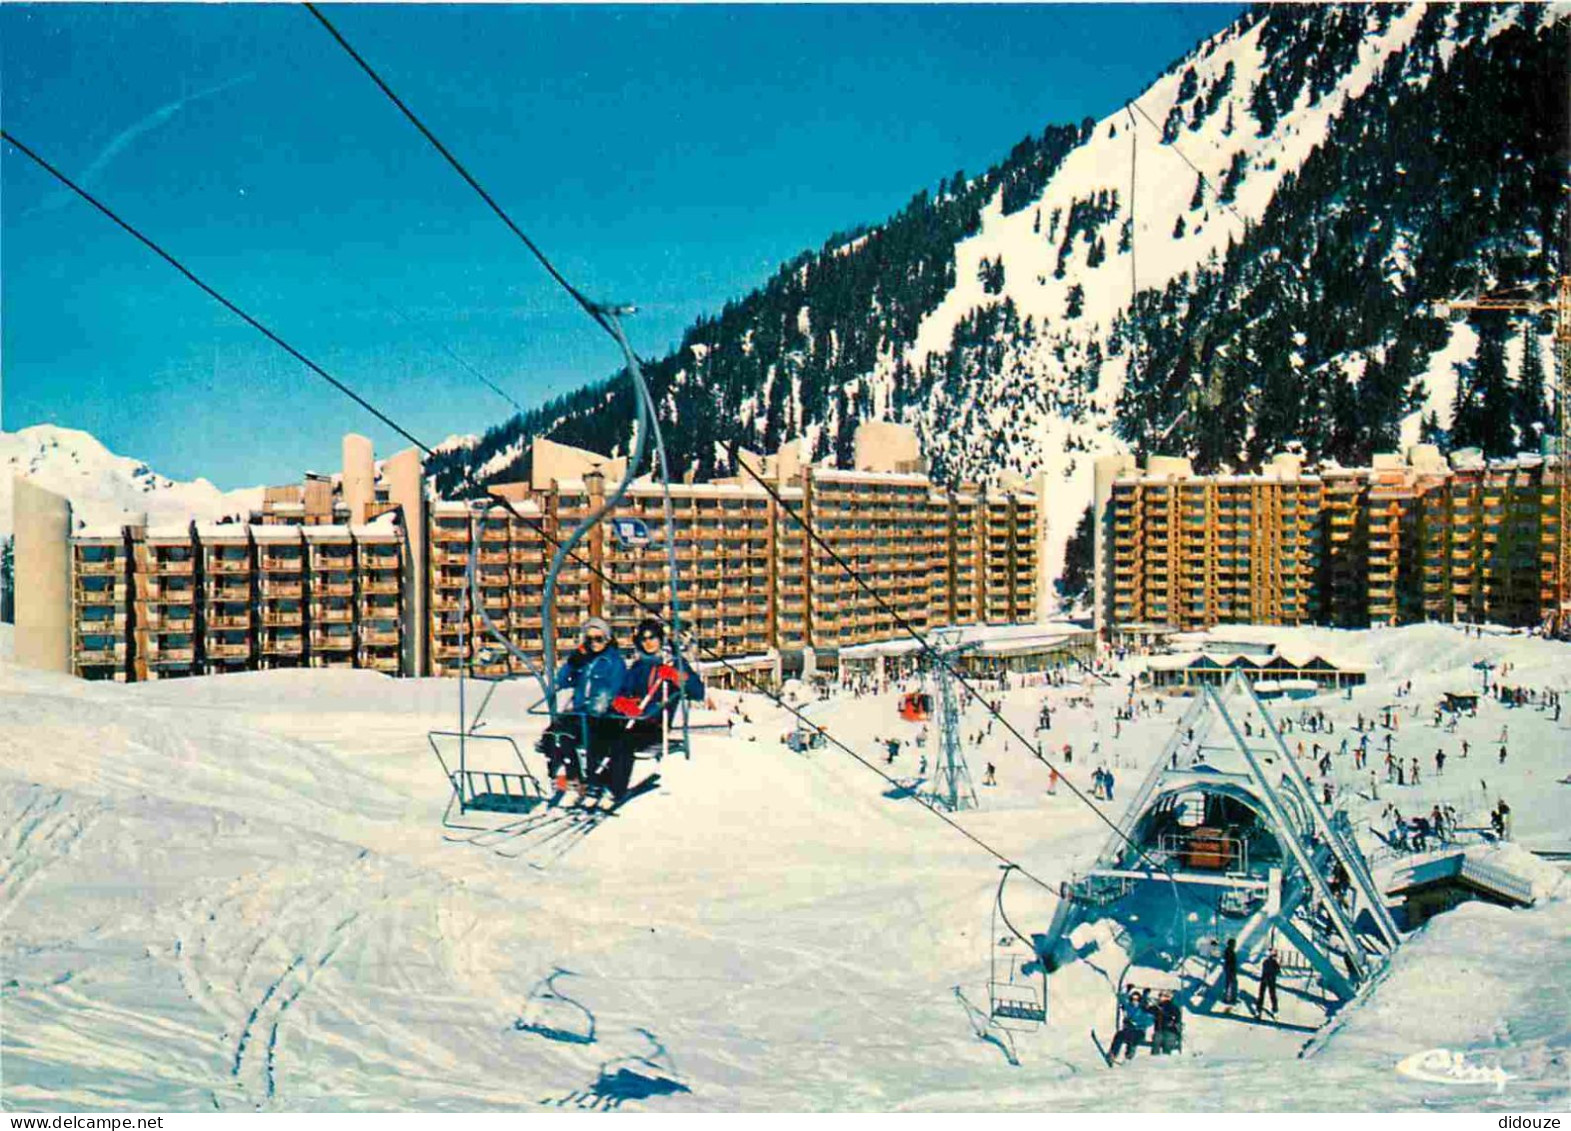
pixel 1230 972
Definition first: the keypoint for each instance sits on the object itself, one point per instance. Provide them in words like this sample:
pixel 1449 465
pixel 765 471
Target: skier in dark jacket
pixel 1169 1037
pixel 576 741
pixel 1269 969
pixel 1230 972
pixel 654 682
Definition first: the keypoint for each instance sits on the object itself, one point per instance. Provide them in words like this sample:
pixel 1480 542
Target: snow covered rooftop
pixel 171 532
pixel 98 532
pixel 992 640
pixel 326 533
pixel 897 478
pixel 276 532
pixel 221 532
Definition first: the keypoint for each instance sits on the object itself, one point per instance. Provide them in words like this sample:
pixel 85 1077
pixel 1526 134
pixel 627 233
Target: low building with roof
pixel 1272 672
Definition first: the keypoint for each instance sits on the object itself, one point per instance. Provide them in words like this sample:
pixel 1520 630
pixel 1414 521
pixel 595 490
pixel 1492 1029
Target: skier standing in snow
pixel 1269 969
pixel 1230 972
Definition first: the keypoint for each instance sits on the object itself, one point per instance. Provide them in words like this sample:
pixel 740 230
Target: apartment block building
pixel 1402 540
pixel 753 585
pixel 362 569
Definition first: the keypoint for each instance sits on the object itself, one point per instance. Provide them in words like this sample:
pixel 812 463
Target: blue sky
pixel 669 156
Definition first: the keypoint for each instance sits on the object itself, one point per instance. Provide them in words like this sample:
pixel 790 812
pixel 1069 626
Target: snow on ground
pixel 235 893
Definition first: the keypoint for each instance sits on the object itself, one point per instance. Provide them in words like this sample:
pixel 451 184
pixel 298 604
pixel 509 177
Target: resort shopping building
pixel 365 569
pixel 1403 540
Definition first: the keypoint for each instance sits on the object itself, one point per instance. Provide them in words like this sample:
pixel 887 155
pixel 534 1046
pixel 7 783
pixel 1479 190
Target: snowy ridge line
pixel 106 489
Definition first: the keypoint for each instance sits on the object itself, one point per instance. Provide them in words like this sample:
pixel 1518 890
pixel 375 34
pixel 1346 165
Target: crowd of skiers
pixel 619 707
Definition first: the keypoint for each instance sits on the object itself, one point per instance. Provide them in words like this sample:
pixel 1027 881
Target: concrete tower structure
pixel 359 482
pixel 43 577
pixel 404 475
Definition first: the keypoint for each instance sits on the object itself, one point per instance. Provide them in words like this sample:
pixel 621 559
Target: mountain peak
pixel 105 488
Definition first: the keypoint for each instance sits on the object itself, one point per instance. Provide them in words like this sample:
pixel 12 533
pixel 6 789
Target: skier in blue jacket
pixel 1136 1020
pixel 577 739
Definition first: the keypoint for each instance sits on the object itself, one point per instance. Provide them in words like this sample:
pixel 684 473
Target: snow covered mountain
pixel 104 487
pixel 1244 258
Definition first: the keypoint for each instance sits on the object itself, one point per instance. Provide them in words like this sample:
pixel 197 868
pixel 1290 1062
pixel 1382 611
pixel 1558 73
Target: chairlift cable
pixel 607 319
pixel 211 292
pixel 934 655
pixel 589 307
pixel 393 308
pixel 315 368
pixel 1173 145
pixel 636 370
pixel 588 523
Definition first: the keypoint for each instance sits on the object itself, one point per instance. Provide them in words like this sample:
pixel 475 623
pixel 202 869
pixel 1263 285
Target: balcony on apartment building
pixel 380 632
pixel 179 591
pixel 385 662
pixel 169 618
pixel 445 649
pixel 380 583
pixel 98 652
pixel 282 643
pixel 282 614
pixel 171 561
pixel 94 561
pixel 174 648
pixel 276 588
pixel 332 612
pixel 332 638
pixel 332 581
pixel 448 583
pixel 227 648
pixel 223 560
pixel 99 591
pixel 280 558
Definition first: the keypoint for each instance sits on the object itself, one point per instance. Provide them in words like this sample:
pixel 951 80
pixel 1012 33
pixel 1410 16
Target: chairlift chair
pixel 916 707
pixel 1014 1003
pixel 502 792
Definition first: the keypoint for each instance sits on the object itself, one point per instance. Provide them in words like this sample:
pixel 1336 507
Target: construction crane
pixel 1560 616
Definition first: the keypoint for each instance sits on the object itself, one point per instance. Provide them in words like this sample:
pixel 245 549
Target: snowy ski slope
pixel 234 893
